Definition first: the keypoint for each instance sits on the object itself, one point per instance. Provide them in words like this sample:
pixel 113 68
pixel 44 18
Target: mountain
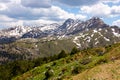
pixel 87 64
pixel 12 34
pixel 69 27
pixel 48 40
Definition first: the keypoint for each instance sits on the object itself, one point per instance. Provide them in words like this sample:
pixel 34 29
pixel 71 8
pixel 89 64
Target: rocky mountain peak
pixel 69 20
pixel 95 22
pixel 67 23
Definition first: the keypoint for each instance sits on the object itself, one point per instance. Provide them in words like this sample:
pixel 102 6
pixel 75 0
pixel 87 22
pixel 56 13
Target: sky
pixel 36 12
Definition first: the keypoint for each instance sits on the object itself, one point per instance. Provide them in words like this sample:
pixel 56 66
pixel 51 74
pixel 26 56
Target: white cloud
pixel 62 14
pixel 38 22
pixel 2 6
pixel 55 13
pixel 13 12
pixel 10 24
pixel 36 3
pixel 101 10
pixel 4 18
pixel 97 10
pixel 18 14
pixel 115 10
pixel 117 23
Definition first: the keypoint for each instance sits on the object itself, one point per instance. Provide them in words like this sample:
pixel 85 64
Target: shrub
pixel 85 61
pixel 62 54
pixel 101 60
pixel 74 50
pixel 48 74
pixel 77 69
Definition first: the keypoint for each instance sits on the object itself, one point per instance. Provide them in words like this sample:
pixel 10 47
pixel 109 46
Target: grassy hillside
pixel 107 71
pixel 73 64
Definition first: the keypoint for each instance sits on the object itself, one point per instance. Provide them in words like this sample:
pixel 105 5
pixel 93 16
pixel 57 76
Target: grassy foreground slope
pixel 108 71
pixel 74 64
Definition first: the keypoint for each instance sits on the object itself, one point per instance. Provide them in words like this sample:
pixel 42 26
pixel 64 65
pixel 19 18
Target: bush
pixel 85 61
pixel 77 69
pixel 74 50
pixel 62 54
pixel 101 60
pixel 48 74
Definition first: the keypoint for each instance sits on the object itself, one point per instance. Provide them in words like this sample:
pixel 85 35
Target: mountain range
pixel 24 42
pixel 69 27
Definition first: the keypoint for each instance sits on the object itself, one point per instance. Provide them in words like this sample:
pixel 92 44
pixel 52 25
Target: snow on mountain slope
pixel 49 27
pixel 69 27
pixel 15 31
pixel 97 37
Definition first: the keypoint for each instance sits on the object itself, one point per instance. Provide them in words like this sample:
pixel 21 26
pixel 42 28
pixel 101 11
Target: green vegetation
pixel 21 66
pixel 73 64
pixel 31 49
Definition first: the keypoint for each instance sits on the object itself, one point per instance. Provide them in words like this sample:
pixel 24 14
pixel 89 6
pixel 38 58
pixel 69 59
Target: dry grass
pixel 108 71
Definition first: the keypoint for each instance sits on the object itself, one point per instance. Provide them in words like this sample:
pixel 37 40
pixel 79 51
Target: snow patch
pixel 113 30
pixel 100 29
pixel 76 41
pixel 96 42
pixel 106 39
pixel 92 35
pixel 95 31
pixel 100 34
pixel 116 34
pixel 88 39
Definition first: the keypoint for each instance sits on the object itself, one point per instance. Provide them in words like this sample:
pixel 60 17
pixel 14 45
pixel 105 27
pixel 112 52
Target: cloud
pixel 36 3
pixel 6 21
pixel 2 6
pixel 4 18
pixel 111 1
pixel 17 11
pixel 19 15
pixel 78 2
pixel 10 24
pixel 115 10
pixel 97 10
pixel 117 23
pixel 101 10
pixel 4 1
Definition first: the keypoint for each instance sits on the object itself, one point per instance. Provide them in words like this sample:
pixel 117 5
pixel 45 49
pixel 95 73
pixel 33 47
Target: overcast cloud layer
pixel 31 12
